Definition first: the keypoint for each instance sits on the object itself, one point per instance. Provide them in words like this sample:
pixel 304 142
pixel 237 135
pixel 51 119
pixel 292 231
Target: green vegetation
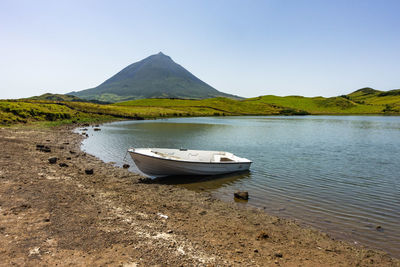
pixel 20 111
pixel 63 98
pixel 56 109
pixel 319 105
pixel 55 97
pixel 388 101
pixel 204 107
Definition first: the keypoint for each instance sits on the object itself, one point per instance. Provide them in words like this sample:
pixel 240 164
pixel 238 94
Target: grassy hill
pixel 26 111
pixel 211 106
pixel 390 100
pixel 55 97
pixel 63 98
pixel 57 109
pixel 319 105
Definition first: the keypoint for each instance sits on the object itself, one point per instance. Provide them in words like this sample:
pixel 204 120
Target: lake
pixel 340 174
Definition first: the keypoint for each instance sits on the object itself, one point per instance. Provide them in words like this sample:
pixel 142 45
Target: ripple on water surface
pixel 339 174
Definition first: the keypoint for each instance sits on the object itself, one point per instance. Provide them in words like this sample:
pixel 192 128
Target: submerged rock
pixel 241 195
pixel 96 129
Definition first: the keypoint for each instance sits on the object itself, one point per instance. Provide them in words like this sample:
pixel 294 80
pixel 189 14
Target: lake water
pixel 340 174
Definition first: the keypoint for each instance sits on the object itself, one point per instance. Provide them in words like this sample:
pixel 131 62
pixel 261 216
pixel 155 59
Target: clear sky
pixel 248 47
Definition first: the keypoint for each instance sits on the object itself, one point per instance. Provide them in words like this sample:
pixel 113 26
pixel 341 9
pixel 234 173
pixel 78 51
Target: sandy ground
pixel 59 215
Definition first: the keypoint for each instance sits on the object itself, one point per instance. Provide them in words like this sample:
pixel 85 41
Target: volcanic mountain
pixel 156 76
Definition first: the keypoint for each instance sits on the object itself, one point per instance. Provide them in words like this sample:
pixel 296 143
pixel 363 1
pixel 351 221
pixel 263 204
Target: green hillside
pixel 389 100
pixel 27 111
pixel 63 98
pixel 156 76
pixel 319 105
pixel 209 106
pixel 55 97
pixel 363 101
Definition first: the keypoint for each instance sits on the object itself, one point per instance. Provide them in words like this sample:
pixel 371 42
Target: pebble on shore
pixel 241 195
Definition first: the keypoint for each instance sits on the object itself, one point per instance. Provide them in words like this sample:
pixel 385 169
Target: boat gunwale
pixel 187 161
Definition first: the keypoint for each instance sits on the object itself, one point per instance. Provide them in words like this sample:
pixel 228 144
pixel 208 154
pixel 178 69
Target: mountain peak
pixel 156 76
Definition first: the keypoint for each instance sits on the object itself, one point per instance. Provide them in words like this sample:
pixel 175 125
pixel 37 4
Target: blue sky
pixel 248 48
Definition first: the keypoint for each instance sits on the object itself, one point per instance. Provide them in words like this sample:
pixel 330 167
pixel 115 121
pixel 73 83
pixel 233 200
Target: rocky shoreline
pixel 53 211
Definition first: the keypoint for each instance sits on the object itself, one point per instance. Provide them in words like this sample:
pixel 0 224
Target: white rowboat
pixel 165 162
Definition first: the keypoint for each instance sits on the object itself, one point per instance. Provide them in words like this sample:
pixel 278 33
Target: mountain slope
pixel 156 76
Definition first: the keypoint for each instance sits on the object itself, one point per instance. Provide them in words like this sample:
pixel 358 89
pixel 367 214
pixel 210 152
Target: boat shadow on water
pixel 199 182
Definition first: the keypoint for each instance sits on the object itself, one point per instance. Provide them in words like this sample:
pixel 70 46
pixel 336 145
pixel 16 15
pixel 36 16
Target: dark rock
pixel 278 255
pixel 39 147
pixel 63 164
pixel 256 251
pixel 97 125
pixel 86 125
pixel 48 140
pixel 89 171
pixel 43 148
pixel 126 166
pixel 66 143
pixel 46 220
pixel 53 160
pixel 84 129
pixel 241 195
pixel 61 147
pixel 170 231
pixel 69 158
pixel 96 129
pixel 86 135
pixel 72 152
pixel 379 228
pixel 203 212
pixel 262 235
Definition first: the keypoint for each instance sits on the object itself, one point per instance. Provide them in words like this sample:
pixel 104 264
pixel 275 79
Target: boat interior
pixel 190 155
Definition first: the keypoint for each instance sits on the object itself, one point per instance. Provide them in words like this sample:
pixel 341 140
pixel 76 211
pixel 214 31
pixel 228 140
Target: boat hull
pixel 165 167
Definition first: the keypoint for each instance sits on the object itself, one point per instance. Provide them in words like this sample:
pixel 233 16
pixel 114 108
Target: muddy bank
pixel 55 213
